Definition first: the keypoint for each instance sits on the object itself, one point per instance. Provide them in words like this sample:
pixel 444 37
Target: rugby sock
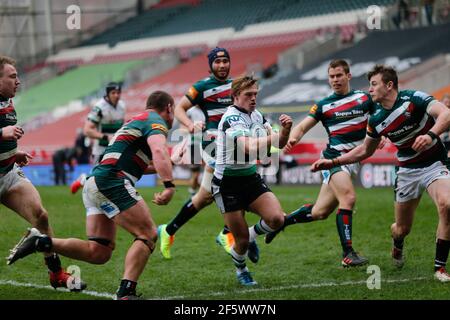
pixel 260 228
pixel 344 227
pixel 442 248
pixel 225 229
pixel 187 212
pixel 126 288
pixel 53 263
pixel 301 215
pixel 398 243
pixel 238 260
pixel 44 244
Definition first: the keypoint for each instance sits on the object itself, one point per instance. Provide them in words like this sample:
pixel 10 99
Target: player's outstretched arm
pixel 182 117
pixel 361 152
pixel 299 131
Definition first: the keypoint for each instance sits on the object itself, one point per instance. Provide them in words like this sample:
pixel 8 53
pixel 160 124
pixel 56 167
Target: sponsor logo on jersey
pixel 224 100
pixel 192 93
pixel 313 109
pixel 157 126
pixel 235 119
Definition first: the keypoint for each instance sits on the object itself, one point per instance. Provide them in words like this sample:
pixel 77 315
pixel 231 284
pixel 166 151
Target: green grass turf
pixel 301 263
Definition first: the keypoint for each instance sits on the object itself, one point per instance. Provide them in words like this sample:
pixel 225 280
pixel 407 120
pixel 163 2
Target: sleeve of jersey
pixel 422 100
pixel 315 111
pixel 95 115
pixel 158 128
pixel 371 131
pixel 194 94
pixel 267 124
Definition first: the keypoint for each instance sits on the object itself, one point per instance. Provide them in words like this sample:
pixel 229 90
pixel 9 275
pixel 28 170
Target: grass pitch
pixel 302 263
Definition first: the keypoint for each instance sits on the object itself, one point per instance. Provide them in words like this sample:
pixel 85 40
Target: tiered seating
pixel 137 27
pixel 74 84
pixel 191 16
pixel 303 8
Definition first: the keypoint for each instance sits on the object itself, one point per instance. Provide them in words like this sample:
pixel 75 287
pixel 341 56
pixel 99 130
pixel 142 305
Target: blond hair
pixel 241 83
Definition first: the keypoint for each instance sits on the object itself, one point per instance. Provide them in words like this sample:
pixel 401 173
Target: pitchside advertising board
pixel 43 175
pixel 369 176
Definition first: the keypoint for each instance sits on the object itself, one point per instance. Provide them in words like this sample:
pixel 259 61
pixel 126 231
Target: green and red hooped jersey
pixel 128 154
pixel 213 97
pixel 8 148
pixel 344 118
pixel 403 123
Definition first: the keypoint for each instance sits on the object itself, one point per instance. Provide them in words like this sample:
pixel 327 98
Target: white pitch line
pixel 295 286
pixel 218 293
pixel 38 286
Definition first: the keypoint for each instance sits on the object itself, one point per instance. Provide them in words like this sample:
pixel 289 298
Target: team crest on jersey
pixel 409 110
pixel 258 130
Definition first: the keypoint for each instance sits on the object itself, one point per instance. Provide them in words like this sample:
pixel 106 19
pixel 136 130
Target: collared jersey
pixel 344 118
pixel 108 120
pixel 8 148
pixel 235 123
pixel 403 123
pixel 128 154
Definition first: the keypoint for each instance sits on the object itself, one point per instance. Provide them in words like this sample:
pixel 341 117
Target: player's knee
pixel 276 221
pixel 320 214
pixel 148 237
pixel 100 253
pixel 443 206
pixel 402 230
pixel 348 199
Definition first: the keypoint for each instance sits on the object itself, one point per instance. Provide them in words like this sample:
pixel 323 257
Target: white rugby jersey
pixel 236 122
pixel 108 119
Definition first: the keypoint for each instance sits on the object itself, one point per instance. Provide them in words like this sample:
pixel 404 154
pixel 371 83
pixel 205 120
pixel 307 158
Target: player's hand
pixel 23 158
pixel 321 164
pixel 178 152
pixel 286 121
pixel 162 198
pixel 289 145
pixel 12 133
pixel 196 126
pixel 383 142
pixel 421 143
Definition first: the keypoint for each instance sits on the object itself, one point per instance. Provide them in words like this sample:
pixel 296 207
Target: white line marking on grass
pixel 295 286
pixel 217 293
pixel 38 286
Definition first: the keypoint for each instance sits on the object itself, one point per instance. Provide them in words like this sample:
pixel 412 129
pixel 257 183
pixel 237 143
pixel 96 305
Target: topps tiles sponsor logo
pixel 401 131
pixel 224 100
pixel 346 114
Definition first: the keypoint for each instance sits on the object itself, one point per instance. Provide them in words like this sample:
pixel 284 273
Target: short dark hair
pixel 241 83
pixel 159 100
pixel 387 74
pixel 339 63
pixel 6 60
